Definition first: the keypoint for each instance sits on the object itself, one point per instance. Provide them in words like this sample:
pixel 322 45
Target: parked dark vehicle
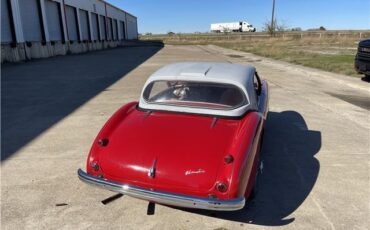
pixel 362 60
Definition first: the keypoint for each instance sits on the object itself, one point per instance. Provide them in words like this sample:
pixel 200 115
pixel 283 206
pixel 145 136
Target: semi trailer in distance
pixel 232 27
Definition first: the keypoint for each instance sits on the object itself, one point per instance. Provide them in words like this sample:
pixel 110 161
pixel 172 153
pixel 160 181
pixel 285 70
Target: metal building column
pixel 78 24
pixel 11 23
pixel 44 21
pixel 14 5
pixel 63 20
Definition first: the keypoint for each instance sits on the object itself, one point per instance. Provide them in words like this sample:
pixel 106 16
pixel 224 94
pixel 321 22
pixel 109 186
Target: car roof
pixel 238 75
pixel 217 71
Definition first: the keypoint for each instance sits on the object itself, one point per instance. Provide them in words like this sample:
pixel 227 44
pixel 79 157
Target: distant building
pixel 44 28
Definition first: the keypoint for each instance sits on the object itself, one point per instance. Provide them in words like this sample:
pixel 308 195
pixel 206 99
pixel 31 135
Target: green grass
pixel 335 56
pixel 330 54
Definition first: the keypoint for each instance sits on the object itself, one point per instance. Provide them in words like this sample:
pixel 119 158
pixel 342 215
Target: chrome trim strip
pixel 163 197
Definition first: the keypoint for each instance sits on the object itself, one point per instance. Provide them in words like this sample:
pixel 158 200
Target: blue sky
pixel 162 16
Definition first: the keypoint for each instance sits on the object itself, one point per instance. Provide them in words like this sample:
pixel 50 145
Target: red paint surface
pixel 181 142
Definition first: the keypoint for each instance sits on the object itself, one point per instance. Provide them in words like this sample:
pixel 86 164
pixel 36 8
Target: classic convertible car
pixel 193 139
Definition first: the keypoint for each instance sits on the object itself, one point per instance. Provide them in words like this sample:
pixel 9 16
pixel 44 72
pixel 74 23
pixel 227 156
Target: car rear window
pixel 195 94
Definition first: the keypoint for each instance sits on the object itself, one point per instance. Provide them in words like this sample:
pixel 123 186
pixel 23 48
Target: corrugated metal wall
pixel 131 28
pixel 64 20
pixel 71 23
pixel 53 20
pixel 30 16
pixel 6 27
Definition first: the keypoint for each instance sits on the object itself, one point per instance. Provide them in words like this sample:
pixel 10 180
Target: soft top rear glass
pixel 195 94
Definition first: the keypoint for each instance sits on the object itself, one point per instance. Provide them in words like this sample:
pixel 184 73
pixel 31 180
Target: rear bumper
pixel 362 66
pixel 161 197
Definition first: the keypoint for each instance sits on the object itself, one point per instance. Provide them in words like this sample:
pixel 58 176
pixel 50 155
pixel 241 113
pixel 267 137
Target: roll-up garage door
pixel 115 32
pixel 109 28
pixel 123 30
pixel 84 23
pixel 102 27
pixel 30 16
pixel 95 26
pixel 71 23
pixel 6 26
pixel 53 17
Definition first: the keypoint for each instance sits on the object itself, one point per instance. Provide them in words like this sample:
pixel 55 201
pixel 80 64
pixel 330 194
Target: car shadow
pixel 289 173
pixel 37 94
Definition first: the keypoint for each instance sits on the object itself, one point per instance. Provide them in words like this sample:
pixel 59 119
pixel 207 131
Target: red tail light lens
pixel 221 187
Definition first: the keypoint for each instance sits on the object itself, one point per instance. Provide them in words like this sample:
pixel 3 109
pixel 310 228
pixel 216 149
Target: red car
pixel 193 139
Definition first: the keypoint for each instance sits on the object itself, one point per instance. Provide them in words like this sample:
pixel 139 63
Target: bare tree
pixel 269 27
pixel 281 26
pixel 275 26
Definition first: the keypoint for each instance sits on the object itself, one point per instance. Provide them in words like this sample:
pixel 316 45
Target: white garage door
pixel 30 17
pixel 6 29
pixel 84 23
pixel 102 27
pixel 123 30
pixel 71 23
pixel 109 28
pixel 95 27
pixel 53 17
pixel 115 32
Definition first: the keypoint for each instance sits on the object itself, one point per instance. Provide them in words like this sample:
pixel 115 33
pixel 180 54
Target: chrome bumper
pixel 163 197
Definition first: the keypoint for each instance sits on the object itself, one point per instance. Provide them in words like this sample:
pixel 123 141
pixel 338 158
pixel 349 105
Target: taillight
pixel 221 187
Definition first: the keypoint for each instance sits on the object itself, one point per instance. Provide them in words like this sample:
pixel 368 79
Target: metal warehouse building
pixel 44 28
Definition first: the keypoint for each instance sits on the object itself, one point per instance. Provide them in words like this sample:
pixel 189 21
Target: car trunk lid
pixel 184 151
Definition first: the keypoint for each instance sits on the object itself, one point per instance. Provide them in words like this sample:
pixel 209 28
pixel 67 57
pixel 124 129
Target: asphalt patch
pixel 359 101
pixel 235 56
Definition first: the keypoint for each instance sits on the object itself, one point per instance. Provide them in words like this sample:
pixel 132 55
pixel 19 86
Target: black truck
pixel 362 60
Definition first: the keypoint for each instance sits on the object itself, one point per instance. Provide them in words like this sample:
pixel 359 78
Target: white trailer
pixel 232 27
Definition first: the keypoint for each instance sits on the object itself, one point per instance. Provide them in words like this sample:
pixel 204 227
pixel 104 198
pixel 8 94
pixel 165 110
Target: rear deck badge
pixel 199 171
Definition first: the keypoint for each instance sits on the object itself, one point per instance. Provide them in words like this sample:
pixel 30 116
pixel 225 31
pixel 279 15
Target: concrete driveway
pixel 315 151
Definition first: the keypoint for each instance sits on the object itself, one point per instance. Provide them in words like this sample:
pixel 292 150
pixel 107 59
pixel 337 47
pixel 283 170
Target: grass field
pixel 334 54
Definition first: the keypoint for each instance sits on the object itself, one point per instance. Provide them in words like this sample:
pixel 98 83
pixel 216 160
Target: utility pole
pixel 272 18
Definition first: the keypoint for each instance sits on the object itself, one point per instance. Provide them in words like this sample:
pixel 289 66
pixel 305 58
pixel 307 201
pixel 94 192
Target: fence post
pixel 360 35
pixel 301 35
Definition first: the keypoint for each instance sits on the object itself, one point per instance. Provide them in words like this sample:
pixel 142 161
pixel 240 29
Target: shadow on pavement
pixel 37 94
pixel 290 172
